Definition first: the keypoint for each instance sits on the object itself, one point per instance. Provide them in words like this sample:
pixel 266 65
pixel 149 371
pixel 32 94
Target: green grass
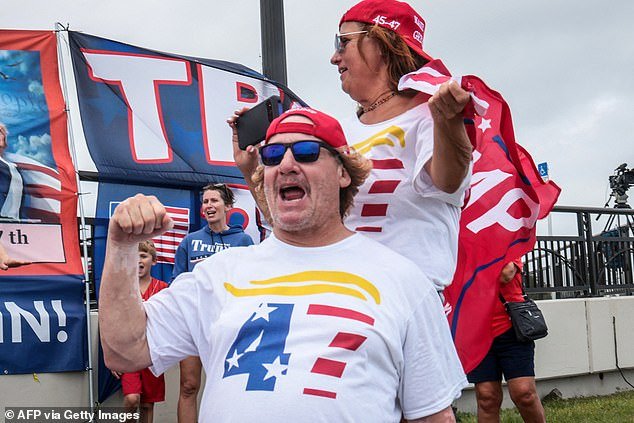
pixel 617 408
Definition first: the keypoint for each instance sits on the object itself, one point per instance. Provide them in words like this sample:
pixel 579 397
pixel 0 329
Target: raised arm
pixel 247 162
pixel 452 149
pixel 122 319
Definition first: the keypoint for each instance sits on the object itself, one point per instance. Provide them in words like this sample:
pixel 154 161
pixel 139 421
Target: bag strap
pixel 522 285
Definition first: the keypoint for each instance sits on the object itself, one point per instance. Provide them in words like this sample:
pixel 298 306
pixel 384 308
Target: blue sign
pixel 42 324
pixel 543 169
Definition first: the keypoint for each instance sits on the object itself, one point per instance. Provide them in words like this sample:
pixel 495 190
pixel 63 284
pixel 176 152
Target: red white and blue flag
pixel 167 243
pixel 42 188
pixel 497 223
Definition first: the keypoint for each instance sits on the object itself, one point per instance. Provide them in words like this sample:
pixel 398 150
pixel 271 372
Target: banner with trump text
pixel 159 119
pixel 42 315
pixel 497 223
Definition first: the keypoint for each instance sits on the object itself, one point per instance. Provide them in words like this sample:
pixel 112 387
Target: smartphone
pixel 252 125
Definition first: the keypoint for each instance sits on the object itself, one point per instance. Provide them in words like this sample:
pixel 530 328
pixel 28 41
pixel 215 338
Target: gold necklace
pixel 379 102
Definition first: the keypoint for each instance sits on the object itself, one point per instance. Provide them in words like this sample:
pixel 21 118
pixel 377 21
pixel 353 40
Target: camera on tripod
pixel 620 182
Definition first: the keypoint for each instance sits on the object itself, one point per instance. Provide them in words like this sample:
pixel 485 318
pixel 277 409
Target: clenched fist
pixel 137 219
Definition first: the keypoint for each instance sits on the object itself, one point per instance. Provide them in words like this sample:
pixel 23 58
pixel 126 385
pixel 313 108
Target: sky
pixel 565 67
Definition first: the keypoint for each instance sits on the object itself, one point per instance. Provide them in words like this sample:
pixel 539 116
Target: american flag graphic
pixel 259 349
pixel 167 243
pixel 42 188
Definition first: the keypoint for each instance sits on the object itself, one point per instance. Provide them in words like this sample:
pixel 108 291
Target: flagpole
pixel 59 28
pixel 273 40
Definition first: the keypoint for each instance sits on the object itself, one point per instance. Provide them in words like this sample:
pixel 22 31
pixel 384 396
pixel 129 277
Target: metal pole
pixel 273 40
pixel 59 28
pixel 592 260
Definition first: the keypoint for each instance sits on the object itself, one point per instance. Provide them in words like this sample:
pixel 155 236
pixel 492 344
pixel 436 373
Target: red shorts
pixel 151 388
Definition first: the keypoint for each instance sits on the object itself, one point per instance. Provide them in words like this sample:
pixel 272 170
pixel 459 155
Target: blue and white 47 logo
pixel 258 349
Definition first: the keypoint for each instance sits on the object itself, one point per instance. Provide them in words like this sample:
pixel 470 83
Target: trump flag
pixel 497 223
pixel 159 119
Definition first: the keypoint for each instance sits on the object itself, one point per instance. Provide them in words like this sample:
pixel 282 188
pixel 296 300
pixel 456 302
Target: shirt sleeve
pixel 421 180
pixel 172 327
pixel 432 375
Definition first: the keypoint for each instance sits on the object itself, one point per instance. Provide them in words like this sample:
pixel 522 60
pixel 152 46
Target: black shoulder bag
pixel 528 320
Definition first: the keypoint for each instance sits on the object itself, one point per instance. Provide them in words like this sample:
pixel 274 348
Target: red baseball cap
pixel 394 15
pixel 324 126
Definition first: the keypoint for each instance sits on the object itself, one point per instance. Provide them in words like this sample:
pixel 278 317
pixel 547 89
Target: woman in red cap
pixel 418 143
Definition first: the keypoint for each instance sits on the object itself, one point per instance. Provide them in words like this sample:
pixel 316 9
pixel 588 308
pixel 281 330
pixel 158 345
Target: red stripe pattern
pixel 328 367
pixel 42 188
pixel 381 186
pixel 384 187
pixel 385 164
pixel 167 243
pixel 324 310
pixel 368 229
pixel 348 341
pixel 371 210
pixel 342 340
pixel 320 393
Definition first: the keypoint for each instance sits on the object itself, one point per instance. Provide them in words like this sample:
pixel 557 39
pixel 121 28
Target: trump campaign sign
pixel 42 313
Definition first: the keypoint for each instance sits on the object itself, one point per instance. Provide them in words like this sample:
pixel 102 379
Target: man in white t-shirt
pixel 316 323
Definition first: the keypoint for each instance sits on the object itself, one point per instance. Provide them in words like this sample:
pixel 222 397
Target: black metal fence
pixel 597 261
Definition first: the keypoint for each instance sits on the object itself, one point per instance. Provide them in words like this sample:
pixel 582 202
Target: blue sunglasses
pixel 306 151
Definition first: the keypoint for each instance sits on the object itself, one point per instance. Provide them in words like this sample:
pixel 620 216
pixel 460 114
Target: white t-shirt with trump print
pixel 344 333
pixel 398 205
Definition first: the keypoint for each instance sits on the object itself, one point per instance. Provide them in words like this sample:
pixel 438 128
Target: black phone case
pixel 252 125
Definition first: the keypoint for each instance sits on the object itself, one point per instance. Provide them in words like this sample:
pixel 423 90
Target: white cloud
pixel 36 87
pixel 36 147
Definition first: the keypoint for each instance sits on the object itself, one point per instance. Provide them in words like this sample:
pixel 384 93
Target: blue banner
pixel 42 324
pixel 154 118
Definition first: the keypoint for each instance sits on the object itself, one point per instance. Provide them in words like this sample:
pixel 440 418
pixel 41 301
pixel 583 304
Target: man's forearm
pixel 122 319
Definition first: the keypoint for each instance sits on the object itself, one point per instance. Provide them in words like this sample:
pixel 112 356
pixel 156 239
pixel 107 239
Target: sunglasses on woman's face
pixel 341 40
pixel 306 151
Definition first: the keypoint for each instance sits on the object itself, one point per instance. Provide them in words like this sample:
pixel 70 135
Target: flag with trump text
pixel 159 119
pixel 42 313
pixel 497 223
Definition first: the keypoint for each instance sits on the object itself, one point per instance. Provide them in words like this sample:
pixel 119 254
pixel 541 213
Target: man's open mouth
pixel 292 193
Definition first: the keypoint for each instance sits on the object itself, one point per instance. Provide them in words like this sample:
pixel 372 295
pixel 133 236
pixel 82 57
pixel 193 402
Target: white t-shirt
pixel 344 333
pixel 398 205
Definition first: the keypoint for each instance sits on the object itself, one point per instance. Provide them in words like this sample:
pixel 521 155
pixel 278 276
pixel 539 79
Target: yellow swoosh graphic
pixel 385 137
pixel 334 277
